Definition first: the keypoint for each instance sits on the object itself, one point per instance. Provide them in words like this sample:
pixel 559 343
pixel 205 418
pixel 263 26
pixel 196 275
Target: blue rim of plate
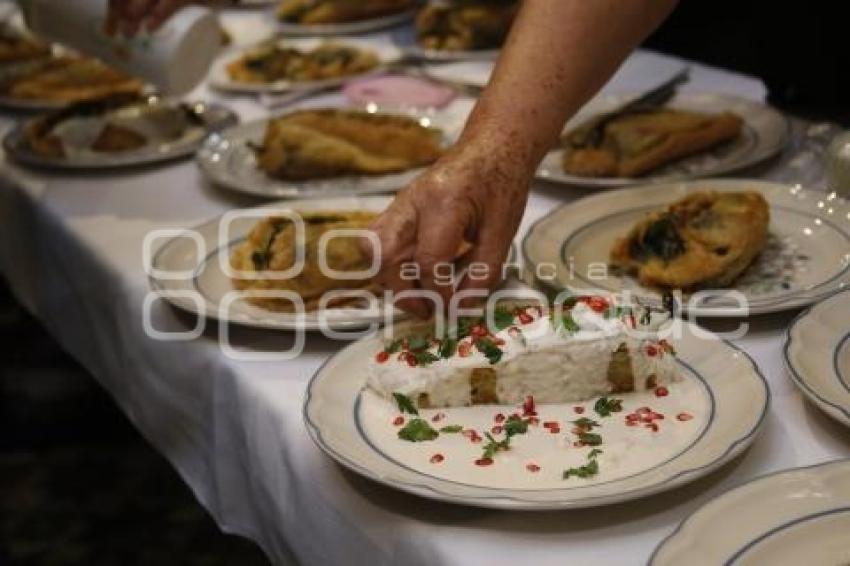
pixel 680 478
pixel 797 376
pixel 783 527
pixel 731 490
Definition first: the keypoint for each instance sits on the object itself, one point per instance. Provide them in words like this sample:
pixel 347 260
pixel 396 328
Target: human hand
pixel 127 16
pixel 474 193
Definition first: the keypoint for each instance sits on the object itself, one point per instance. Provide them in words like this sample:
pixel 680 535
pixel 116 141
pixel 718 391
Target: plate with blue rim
pixel 817 355
pixel 806 258
pixel 713 413
pixel 797 516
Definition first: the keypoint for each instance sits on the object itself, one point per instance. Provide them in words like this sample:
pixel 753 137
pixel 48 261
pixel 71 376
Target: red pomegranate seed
pixel 437 458
pixel 469 433
pixel 532 467
pixel 658 416
pixel 597 304
pixel 684 416
pixel 652 426
pixel 382 356
pixel 549 424
pixel 578 410
pixel 411 360
pixel 651 351
pixel 525 318
pixel 438 417
pixel 555 429
pixel 661 391
pixel 631 423
pixel 497 429
pixel 499 418
pixel 498 342
pixel 632 417
pixel 528 406
pixel 398 421
pixel 484 461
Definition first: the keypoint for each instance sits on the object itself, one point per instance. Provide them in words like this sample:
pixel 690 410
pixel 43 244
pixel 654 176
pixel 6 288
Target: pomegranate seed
pixel 438 417
pixel 631 423
pixel 398 421
pixel 498 342
pixel 651 351
pixel 411 360
pixel 382 356
pixel 549 424
pixel 658 416
pixel 437 458
pixel 661 392
pixel 533 468
pixel 652 426
pixel 579 410
pixel 497 429
pixel 499 418
pixel 684 417
pixel 631 417
pixel 525 318
pixel 555 429
pixel 469 433
pixel 484 461
pixel 596 304
pixel 528 406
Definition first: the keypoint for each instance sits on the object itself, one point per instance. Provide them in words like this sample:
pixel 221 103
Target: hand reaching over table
pixel 557 56
pixel 128 16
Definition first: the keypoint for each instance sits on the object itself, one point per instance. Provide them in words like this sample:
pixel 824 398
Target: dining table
pixel 71 250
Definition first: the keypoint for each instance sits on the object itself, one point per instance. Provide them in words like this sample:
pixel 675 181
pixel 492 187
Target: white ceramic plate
pixel 721 387
pixel 346 28
pixel 173 131
pixel 228 160
pixel 207 281
pixel 220 79
pixel 764 135
pixel 807 256
pixel 474 74
pixel 793 517
pixel 817 354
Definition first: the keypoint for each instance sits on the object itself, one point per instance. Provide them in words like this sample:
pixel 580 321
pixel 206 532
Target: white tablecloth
pixel 71 249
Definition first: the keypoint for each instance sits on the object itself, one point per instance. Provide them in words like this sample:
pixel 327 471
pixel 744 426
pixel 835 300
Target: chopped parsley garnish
pixel 515 426
pixel 590 438
pixel 565 321
pixel 502 318
pixel 447 348
pixel 605 406
pixel 393 347
pixel 586 471
pixel 416 343
pixel 424 357
pixel 405 405
pixel 585 422
pixel 451 429
pixel 494 446
pixel 489 349
pixel 418 430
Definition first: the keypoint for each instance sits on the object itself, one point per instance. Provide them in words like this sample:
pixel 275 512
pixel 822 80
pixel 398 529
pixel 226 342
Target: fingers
pixel 161 12
pixel 396 231
pixel 438 239
pixel 493 242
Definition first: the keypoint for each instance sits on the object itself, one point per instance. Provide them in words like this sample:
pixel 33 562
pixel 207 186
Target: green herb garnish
pixel 424 357
pixel 590 438
pixel 585 422
pixel 515 426
pixel 452 429
pixel 594 453
pixel 605 406
pixel 588 470
pixel 417 343
pixel 494 446
pixel 489 349
pixel 418 430
pixel 447 348
pixel 405 405
pixel 393 347
pixel 502 318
